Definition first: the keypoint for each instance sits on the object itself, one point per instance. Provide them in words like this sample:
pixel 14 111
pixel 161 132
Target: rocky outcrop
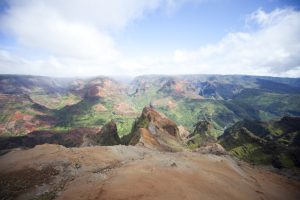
pixel 102 87
pixel 203 128
pixel 213 148
pixel 71 138
pixel 108 135
pixel 95 91
pixel 202 135
pixel 154 130
pixel 183 133
pixel 143 137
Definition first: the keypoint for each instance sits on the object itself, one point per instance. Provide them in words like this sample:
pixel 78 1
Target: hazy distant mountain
pixel 154 136
pixel 203 106
pixel 224 100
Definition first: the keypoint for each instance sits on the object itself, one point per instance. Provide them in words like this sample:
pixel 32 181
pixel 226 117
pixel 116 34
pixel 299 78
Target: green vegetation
pixel 55 101
pixel 46 196
pixel 272 104
pixel 188 112
pixel 144 98
pixel 286 161
pixel 84 114
pixel 237 104
pixel 267 143
pixel 196 141
pixel 252 153
pixel 124 126
pixel 203 134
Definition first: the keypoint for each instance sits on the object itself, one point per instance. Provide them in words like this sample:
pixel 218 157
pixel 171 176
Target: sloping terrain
pixel 186 111
pixel 63 103
pixel 223 100
pixel 20 115
pixel 158 166
pixel 202 135
pixel 127 172
pixel 273 142
pixel 156 131
pixel 73 138
pixel 78 137
pixel 186 99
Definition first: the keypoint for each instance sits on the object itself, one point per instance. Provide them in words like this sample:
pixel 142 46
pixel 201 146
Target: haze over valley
pixel 160 99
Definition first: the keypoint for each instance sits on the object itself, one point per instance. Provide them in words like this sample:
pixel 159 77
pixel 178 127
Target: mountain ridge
pixel 132 141
pixel 173 95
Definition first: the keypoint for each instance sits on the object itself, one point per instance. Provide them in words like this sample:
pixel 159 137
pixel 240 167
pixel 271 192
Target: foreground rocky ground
pixel 134 172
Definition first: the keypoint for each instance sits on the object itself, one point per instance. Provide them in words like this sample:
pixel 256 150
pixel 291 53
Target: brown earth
pixel 147 139
pixel 17 121
pixel 96 91
pixel 155 130
pixel 128 172
pixel 180 88
pixel 103 89
pixel 124 109
pixel 100 108
pixel 160 120
pixel 165 102
pixel 24 124
pixel 54 101
pixel 76 137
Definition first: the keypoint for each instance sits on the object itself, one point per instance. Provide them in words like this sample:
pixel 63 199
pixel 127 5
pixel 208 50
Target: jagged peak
pixel 108 135
pixel 153 129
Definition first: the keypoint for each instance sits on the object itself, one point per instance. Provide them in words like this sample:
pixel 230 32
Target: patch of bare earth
pixel 131 172
pixel 25 123
pixel 124 109
pixel 165 102
pixel 100 108
pixel 103 89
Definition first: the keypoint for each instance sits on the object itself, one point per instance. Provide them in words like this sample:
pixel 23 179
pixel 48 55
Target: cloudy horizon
pixel 136 37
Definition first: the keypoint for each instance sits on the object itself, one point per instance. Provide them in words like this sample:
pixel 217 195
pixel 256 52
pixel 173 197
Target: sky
pixel 65 38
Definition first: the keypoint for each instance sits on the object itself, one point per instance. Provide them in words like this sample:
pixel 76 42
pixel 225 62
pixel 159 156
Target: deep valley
pixel 169 137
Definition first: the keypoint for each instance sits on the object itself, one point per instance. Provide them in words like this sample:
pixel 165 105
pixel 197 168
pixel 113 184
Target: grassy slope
pixel 250 104
pixel 189 111
pixel 16 111
pixel 264 143
pixel 83 114
pixel 55 101
pixel 271 104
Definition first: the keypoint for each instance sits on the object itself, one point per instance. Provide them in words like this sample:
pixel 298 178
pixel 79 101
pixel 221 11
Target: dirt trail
pixel 128 172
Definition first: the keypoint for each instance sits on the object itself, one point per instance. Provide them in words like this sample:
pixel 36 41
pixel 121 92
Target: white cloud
pixel 54 66
pixel 53 34
pixel 103 14
pixel 273 49
pixel 75 37
pixel 74 33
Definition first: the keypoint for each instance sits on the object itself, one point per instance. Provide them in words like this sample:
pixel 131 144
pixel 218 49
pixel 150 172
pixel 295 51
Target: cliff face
pixel 108 135
pixel 78 137
pixel 154 130
pixel 202 135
